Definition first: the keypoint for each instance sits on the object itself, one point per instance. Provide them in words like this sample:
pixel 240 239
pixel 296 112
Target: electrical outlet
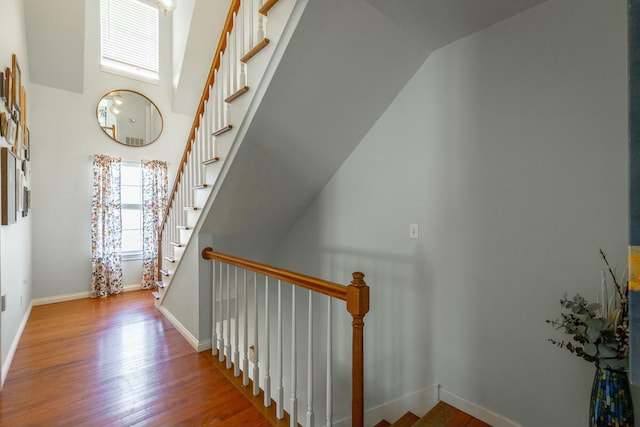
pixel 413 231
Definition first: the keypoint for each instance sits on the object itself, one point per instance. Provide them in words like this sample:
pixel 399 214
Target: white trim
pixel 419 402
pixel 197 345
pixel 79 295
pixel 475 410
pixel 14 345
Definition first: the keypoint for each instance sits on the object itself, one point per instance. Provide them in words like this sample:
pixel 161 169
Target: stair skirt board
pixel 419 403
pixel 197 345
pixel 79 295
pixel 475 410
pixel 422 402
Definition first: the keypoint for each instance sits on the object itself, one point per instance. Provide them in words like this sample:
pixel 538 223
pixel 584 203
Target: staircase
pixel 442 415
pixel 279 162
pixel 245 51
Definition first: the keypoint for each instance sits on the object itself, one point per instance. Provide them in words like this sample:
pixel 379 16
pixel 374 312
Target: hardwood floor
pixel 115 362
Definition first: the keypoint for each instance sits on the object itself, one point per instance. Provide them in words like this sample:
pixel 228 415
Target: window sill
pixel 130 74
pixel 132 256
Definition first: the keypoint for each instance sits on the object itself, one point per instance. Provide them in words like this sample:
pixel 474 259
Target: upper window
pixel 129 39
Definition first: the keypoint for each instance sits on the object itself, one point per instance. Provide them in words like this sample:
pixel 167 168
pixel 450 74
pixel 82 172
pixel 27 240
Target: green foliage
pixel 599 332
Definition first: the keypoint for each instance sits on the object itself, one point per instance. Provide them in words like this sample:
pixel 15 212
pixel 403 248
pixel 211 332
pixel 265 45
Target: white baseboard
pixel 14 346
pixel 197 345
pixel 79 295
pixel 475 410
pixel 419 403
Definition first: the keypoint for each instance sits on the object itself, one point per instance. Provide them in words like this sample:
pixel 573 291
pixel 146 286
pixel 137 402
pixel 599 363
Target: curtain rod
pixel 129 161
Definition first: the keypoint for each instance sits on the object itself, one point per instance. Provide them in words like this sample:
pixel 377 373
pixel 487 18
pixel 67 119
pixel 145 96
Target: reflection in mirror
pixel 129 117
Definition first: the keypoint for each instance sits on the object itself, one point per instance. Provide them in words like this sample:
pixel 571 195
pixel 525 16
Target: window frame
pixel 136 254
pixel 125 62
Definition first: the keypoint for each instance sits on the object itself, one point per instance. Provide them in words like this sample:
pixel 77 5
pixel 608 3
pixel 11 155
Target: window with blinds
pixel 129 39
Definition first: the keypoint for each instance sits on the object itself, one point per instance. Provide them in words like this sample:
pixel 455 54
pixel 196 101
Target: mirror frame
pixel 106 130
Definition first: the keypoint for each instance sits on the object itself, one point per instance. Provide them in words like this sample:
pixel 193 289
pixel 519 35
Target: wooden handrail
pixel 356 296
pixel 322 286
pixel 222 44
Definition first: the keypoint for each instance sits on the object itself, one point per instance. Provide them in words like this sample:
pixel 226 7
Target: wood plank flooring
pixel 115 362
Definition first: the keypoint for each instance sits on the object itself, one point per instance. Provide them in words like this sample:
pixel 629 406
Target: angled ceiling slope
pixel 55 43
pixel 436 23
pixel 345 63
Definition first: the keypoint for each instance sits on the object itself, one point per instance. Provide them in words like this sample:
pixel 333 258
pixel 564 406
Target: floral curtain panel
pixel 106 228
pixel 154 203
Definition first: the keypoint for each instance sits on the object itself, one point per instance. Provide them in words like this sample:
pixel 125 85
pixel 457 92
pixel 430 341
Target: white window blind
pixel 129 38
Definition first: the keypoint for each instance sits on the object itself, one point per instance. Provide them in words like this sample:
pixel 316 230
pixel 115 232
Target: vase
pixel 611 403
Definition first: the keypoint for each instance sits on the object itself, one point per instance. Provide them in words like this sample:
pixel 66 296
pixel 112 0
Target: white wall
pixel 509 149
pixel 15 239
pixel 65 134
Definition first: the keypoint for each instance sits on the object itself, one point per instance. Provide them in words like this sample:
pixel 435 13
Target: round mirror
pixel 129 117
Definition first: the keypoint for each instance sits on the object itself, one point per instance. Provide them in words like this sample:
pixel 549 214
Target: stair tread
pixel 156 294
pixel 237 94
pixel 160 284
pixel 254 51
pixel 190 208
pixel 407 420
pixel 383 423
pixel 176 244
pixel 211 160
pixel 222 130
pixel 164 272
pixel 170 259
pixel 199 186
pixel 266 6
pixel 183 227
pixel 445 415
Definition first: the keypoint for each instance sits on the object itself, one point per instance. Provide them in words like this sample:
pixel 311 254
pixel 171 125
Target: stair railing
pixel 243 35
pixel 231 312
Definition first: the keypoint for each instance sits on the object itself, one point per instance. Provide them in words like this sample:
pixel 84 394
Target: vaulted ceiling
pixel 56 35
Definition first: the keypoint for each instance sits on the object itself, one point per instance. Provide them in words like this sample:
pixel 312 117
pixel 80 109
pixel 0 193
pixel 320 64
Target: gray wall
pixel 509 149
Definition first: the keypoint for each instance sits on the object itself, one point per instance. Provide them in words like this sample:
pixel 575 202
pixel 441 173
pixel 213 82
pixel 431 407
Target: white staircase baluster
pixel 329 368
pixel 214 327
pixel 310 419
pixel 256 369
pixel 187 185
pixel 228 328
pixel 196 155
pixel 236 329
pixel 245 324
pixel 227 82
pixel 242 77
pixel 279 388
pixel 267 368
pixel 233 57
pixel 293 415
pixel 208 131
pixel 182 202
pixel 198 163
pixel 204 125
pixel 261 31
pixel 251 24
pixel 216 85
pixel 221 336
pixel 220 100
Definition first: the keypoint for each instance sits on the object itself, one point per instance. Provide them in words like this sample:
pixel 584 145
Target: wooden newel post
pixel 358 307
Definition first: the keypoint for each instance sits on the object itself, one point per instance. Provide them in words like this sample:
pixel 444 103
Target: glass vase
pixel 611 403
